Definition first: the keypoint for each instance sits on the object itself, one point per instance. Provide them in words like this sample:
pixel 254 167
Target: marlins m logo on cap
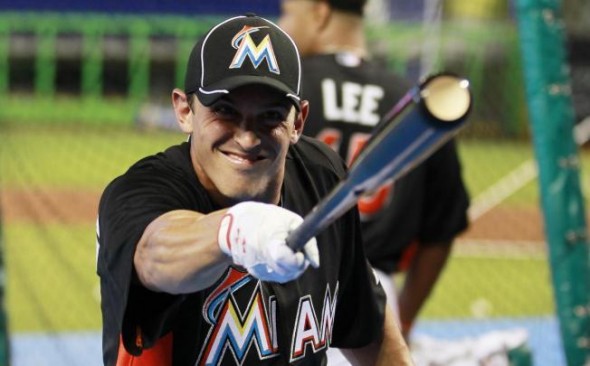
pixel 246 48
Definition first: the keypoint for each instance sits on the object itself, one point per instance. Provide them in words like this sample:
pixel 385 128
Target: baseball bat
pixel 427 116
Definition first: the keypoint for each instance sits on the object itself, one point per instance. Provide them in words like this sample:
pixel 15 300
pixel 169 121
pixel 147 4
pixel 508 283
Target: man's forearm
pixel 423 274
pixel 178 252
pixel 393 350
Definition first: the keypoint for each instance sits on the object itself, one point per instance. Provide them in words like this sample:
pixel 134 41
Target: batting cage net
pixel 85 92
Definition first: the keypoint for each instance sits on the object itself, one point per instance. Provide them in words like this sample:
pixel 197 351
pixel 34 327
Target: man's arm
pixel 391 349
pixel 178 252
pixel 424 271
pixel 185 251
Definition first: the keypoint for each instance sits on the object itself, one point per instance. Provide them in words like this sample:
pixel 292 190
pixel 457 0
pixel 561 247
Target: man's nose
pixel 246 134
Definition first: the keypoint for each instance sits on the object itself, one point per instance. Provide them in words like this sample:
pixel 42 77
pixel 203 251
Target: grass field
pixel 50 263
pixel 486 162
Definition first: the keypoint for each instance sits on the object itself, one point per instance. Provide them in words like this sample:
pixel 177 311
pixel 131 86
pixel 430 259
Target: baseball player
pixel 408 226
pixel 192 258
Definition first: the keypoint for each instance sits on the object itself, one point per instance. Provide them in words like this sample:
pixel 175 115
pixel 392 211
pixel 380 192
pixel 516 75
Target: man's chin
pixel 238 194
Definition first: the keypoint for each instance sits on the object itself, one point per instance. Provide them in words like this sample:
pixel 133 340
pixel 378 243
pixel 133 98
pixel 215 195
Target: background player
pixel 192 257
pixel 407 227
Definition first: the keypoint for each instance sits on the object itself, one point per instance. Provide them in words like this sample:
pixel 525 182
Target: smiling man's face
pixel 239 144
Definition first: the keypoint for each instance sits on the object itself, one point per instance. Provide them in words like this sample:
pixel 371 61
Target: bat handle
pixel 331 207
pixel 307 230
pixel 297 238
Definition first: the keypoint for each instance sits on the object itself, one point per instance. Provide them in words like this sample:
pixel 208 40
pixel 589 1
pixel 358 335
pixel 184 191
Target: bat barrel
pixel 425 118
pixel 446 97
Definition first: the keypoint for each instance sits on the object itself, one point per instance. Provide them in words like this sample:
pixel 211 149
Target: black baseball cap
pixel 240 51
pixel 350 6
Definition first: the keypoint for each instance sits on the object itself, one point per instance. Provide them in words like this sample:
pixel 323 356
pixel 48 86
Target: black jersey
pixel 347 96
pixel 238 320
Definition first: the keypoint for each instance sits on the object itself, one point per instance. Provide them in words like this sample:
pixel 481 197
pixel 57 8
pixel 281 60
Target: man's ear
pixel 300 121
pixel 182 110
pixel 322 13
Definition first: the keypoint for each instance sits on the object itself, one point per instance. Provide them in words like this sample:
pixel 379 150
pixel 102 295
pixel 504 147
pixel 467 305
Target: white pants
pixel 335 357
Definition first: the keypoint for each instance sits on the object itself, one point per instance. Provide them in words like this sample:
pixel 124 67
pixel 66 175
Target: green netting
pixel 552 121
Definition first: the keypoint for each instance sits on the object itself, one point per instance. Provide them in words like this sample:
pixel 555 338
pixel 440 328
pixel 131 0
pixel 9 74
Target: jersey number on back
pixel 370 203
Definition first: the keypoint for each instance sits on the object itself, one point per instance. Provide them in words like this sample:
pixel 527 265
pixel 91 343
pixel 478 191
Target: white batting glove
pixel 254 234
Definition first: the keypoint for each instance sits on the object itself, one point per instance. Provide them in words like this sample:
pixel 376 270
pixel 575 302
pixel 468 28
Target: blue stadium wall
pixel 178 7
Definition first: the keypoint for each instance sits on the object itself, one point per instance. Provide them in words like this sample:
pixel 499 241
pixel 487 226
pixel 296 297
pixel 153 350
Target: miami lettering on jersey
pixel 246 48
pixel 307 331
pixel 236 332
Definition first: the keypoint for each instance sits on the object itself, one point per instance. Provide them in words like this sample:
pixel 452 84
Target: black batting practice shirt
pixel 347 95
pixel 239 320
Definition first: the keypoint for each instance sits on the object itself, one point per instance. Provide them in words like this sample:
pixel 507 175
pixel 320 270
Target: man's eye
pixel 225 111
pixel 273 117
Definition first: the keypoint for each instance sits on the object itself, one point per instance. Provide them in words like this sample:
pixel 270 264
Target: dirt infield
pixel 80 207
pixel 49 206
pixel 504 223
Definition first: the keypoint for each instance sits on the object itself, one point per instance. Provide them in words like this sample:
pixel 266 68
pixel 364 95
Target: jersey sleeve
pixel 446 198
pixel 127 206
